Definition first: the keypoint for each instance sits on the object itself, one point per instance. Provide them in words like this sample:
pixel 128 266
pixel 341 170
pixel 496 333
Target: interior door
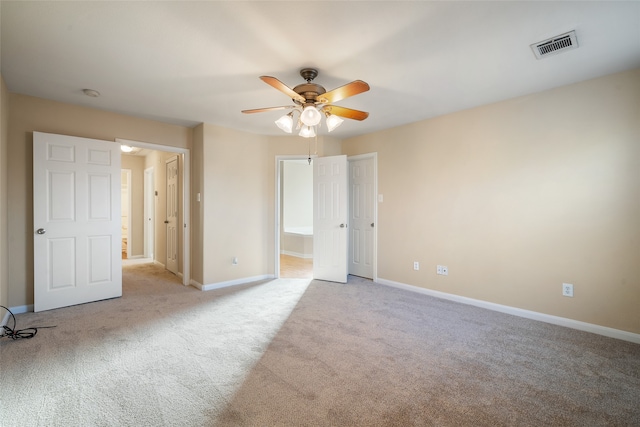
pixel 149 213
pixel 76 214
pixel 172 215
pixel 361 217
pixel 330 225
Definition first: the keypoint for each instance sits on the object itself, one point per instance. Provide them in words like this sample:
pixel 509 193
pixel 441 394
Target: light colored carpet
pixel 162 355
pixel 287 352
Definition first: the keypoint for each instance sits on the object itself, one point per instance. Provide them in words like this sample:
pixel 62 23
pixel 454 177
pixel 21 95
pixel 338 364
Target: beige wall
pixel 4 141
pixel 136 165
pixel 518 197
pixel 514 197
pixel 197 207
pixel 235 217
pixel 30 114
pixel 234 200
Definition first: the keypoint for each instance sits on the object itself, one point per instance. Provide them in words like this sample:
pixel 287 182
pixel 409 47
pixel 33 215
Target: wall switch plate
pixel 380 198
pixel 439 269
pixel 567 289
pixel 416 265
pixel 234 261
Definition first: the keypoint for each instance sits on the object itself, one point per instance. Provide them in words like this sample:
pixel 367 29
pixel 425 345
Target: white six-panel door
pixel 330 225
pixel 172 215
pixel 361 217
pixel 76 214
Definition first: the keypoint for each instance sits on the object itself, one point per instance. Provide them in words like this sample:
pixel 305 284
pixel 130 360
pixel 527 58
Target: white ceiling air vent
pixel 555 45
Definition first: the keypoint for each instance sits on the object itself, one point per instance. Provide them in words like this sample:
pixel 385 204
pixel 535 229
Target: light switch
pixel 380 198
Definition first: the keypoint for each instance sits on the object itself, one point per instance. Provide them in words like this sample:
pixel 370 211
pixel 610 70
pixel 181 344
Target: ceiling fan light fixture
pixel 333 122
pixel 286 122
pixel 307 132
pixel 310 116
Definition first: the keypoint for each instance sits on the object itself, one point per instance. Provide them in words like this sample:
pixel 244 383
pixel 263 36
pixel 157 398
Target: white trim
pixel 228 283
pixel 296 254
pixel 186 199
pixel 15 310
pixel 136 261
pixel 527 314
pixel 279 159
pixel 196 284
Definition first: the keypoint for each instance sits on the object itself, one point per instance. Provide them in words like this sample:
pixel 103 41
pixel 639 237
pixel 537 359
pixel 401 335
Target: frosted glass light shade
pixel 285 122
pixel 310 116
pixel 307 132
pixel 333 122
pixel 126 148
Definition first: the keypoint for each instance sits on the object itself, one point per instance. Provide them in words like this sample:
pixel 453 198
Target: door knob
pixel 166 222
pixel 372 224
pixel 41 231
pixel 343 225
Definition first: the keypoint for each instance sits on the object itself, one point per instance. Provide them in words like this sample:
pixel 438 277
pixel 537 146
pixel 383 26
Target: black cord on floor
pixel 15 334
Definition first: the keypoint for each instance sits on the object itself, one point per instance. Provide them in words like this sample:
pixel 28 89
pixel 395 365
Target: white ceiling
pixel 190 62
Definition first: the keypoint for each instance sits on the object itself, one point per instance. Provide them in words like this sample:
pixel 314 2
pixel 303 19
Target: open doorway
pixel 125 211
pixel 147 228
pixel 295 218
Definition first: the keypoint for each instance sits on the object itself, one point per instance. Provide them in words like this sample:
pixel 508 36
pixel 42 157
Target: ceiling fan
pixel 311 101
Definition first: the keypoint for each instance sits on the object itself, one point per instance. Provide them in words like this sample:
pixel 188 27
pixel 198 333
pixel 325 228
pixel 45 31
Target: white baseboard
pixel 15 310
pixel 228 283
pixel 297 254
pixel 534 315
pixel 136 261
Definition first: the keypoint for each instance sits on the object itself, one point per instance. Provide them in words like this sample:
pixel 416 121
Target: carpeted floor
pixel 290 352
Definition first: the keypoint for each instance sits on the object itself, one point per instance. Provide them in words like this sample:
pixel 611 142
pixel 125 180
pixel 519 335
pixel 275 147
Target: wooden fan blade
pixel 342 92
pixel 261 110
pixel 347 113
pixel 272 81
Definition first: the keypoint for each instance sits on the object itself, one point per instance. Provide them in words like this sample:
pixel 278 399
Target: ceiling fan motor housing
pixel 309 91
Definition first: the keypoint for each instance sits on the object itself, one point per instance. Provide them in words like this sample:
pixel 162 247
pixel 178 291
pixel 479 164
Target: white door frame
pixel 375 205
pixel 279 163
pixel 279 159
pixel 149 212
pixel 186 199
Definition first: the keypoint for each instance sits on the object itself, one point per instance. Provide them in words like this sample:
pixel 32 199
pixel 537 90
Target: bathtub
pixel 297 241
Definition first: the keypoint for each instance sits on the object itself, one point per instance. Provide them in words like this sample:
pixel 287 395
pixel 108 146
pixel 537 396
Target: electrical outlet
pixel 439 269
pixel 416 265
pixel 567 289
pixel 445 270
